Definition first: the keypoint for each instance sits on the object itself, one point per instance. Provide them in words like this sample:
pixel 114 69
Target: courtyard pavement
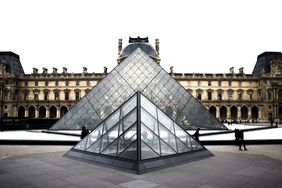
pixel 44 166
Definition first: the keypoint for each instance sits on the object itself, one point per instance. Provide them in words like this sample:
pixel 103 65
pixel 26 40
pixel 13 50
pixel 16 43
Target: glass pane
pixel 94 135
pixel 166 150
pixel 167 137
pixel 181 147
pixel 168 123
pixel 150 138
pixel 129 119
pixel 130 153
pixel 81 145
pixel 111 121
pixel 129 106
pixel 112 149
pixel 146 152
pixel 148 106
pixel 149 121
pixel 109 137
pixel 127 139
pixel 95 148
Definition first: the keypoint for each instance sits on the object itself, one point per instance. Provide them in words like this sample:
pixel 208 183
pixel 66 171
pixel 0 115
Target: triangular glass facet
pixel 138 72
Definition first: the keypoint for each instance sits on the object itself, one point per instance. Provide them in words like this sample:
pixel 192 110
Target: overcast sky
pixel 201 36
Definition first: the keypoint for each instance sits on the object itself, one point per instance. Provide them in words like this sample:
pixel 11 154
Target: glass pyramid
pixel 140 135
pixel 138 72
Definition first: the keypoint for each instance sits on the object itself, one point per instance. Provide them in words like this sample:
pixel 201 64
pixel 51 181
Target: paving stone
pixel 139 184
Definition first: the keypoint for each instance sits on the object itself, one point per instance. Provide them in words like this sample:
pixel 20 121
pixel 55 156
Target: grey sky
pixel 200 36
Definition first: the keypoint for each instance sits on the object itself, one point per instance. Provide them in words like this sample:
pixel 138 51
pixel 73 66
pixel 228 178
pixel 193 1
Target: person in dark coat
pixel 241 141
pixel 84 132
pixel 196 134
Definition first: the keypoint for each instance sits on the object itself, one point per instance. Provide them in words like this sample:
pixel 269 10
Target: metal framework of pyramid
pixel 138 72
pixel 138 137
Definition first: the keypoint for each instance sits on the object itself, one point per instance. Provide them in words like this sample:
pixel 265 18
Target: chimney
pixel 35 71
pixel 65 70
pixel 157 46
pixel 84 70
pixel 171 70
pixel 119 46
pixel 231 70
pixel 45 71
pixel 55 70
pixel 241 70
pixel 105 70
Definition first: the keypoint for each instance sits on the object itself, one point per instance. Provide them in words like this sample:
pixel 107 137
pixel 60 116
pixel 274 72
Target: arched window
pixel 63 110
pixel 213 110
pixel 244 113
pixel 42 112
pixel 31 112
pixel 254 112
pixel 280 112
pixel 223 112
pixel 234 112
pixel 53 112
pixel 280 95
pixel 21 112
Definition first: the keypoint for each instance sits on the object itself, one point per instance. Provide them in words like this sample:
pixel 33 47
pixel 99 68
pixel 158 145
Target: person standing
pixel 241 140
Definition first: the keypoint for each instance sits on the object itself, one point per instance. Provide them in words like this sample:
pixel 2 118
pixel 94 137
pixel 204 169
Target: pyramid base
pixel 138 167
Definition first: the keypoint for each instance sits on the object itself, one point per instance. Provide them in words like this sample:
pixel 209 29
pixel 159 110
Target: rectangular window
pixel 36 83
pixel 57 83
pixel 36 95
pixel 230 96
pixel 77 95
pixel 209 83
pixel 46 94
pixel 209 95
pixel 219 83
pixel 77 83
pixel 229 83
pixel 66 95
pixel 239 96
pixel 199 96
pixel 25 96
pixel 57 96
pixel 46 83
pixel 219 96
pixel 26 83
pixel 88 83
pixel 67 83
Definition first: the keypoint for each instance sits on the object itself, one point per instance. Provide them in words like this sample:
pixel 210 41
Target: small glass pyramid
pixel 138 133
pixel 138 72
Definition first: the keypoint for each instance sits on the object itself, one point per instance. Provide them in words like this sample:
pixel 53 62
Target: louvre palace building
pixel 233 96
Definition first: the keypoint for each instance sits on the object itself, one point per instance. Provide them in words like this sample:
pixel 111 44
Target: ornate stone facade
pixel 228 96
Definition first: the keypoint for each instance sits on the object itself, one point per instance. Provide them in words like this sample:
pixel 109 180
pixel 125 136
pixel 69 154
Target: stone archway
pixel 234 112
pixel 63 110
pixel 244 113
pixel 254 112
pixel 223 113
pixel 42 112
pixel 31 112
pixel 280 113
pixel 212 110
pixel 21 112
pixel 53 112
pixel 280 95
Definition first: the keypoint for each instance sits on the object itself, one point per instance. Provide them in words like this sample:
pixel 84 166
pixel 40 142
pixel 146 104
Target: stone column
pixel 249 112
pixel 47 113
pixel 58 112
pixel 26 112
pixel 239 113
pixel 217 112
pixel 36 112
pixel 228 112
